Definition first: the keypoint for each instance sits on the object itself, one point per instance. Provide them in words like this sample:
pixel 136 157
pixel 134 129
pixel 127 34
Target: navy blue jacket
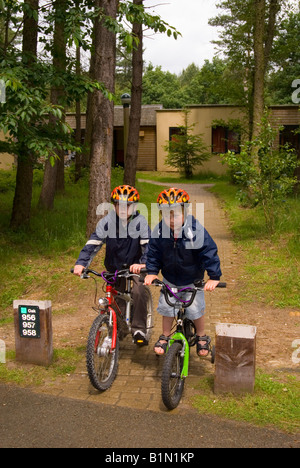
pixel 125 244
pixel 183 260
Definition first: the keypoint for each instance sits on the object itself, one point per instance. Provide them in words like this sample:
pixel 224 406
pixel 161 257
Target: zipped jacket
pixel 126 243
pixel 185 259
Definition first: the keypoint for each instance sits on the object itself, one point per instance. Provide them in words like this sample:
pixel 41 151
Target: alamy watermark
pixel 2 352
pixel 176 219
pixel 2 92
pixel 296 93
pixel 296 353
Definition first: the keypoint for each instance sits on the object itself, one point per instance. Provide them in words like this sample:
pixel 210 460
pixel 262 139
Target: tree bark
pixel 136 106
pixel 78 156
pixel 259 70
pixel 102 115
pixel 23 193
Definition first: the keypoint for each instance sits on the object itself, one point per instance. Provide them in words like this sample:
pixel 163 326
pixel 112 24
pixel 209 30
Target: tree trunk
pixel 78 156
pixel 23 193
pixel 259 71
pixel 102 115
pixel 52 173
pixel 136 105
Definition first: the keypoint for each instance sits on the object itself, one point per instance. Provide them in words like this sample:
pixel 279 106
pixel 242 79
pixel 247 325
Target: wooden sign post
pixel 33 332
pixel 235 358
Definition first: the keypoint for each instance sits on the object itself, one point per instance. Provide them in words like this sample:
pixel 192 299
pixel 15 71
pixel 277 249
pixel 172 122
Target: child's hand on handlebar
pixel 149 279
pixel 78 269
pixel 137 267
pixel 211 285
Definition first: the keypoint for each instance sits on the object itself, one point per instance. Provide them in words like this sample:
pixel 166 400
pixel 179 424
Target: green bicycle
pixel 176 363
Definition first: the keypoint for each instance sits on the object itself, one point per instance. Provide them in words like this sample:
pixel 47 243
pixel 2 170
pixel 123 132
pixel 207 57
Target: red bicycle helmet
pixel 125 193
pixel 172 196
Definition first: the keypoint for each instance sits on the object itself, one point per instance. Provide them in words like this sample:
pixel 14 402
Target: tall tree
pixel 57 94
pixel 104 60
pixel 136 104
pixel 247 35
pixel 24 179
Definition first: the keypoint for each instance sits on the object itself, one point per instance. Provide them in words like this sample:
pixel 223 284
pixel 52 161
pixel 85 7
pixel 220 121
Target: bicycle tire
pixel 149 325
pixel 172 385
pixel 102 364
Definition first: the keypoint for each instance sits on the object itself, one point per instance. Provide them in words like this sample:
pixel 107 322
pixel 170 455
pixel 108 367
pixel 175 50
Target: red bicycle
pixel 111 326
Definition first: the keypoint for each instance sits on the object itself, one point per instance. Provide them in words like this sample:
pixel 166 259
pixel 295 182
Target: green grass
pixel 271 270
pixel 273 403
pixel 64 363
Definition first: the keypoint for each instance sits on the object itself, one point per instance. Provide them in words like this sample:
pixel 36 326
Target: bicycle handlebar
pixel 169 292
pixel 106 275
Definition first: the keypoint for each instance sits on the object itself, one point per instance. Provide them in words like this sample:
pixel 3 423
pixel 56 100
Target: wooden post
pixel 235 358
pixel 33 332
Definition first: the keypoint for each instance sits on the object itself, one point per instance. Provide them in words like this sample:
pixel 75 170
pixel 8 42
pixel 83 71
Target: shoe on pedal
pixel 139 338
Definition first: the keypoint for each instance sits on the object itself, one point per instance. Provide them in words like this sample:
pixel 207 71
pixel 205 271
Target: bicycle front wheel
pixel 172 385
pixel 102 361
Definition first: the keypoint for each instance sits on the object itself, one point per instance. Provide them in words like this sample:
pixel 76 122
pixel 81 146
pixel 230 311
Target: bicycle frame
pixel 179 336
pixel 185 352
pixel 110 295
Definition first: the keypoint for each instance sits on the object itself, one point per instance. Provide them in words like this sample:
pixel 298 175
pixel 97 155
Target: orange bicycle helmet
pixel 125 193
pixel 172 196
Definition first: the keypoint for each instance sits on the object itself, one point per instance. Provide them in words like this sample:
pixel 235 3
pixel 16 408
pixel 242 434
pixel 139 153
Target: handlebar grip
pixel 144 270
pixel 222 285
pixel 72 270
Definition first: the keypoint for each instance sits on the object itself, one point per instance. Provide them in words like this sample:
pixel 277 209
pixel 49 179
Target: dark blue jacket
pixel 183 260
pixel 125 244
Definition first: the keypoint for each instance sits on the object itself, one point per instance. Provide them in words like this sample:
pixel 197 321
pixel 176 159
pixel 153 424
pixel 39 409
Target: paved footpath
pixel 138 382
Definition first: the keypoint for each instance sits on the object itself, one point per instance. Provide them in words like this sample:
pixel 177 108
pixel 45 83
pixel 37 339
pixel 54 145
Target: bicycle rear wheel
pixel 102 361
pixel 172 385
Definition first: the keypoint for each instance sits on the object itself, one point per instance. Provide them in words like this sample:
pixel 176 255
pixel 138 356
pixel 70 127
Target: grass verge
pixel 273 403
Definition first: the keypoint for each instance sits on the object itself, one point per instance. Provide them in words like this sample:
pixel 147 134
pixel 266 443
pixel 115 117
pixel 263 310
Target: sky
pixel 190 17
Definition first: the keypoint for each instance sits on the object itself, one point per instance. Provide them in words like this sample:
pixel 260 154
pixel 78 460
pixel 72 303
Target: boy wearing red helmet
pixel 126 234
pixel 183 256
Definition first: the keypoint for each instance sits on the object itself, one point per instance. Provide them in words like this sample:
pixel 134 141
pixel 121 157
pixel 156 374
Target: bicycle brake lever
pixel 84 276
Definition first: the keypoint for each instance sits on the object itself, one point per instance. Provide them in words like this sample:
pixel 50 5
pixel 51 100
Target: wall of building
pixel 202 117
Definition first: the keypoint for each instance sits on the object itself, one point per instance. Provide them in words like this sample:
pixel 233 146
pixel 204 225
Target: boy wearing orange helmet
pixel 126 234
pixel 182 255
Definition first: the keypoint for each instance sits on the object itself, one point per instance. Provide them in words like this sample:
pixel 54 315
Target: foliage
pixel 286 60
pixel 268 180
pixel 211 84
pixel 186 150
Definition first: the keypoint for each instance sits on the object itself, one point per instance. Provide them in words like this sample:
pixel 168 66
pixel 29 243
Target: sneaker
pixel 139 338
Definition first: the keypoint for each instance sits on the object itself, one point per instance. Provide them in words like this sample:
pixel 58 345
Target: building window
pixel 224 140
pixel 290 135
pixel 173 131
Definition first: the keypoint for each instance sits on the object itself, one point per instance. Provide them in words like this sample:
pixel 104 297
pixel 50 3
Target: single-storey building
pixel 147 156
pixel 213 122
pixel 216 125
pixel 158 125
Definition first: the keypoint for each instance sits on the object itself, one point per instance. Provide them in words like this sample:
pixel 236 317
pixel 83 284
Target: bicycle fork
pixel 185 352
